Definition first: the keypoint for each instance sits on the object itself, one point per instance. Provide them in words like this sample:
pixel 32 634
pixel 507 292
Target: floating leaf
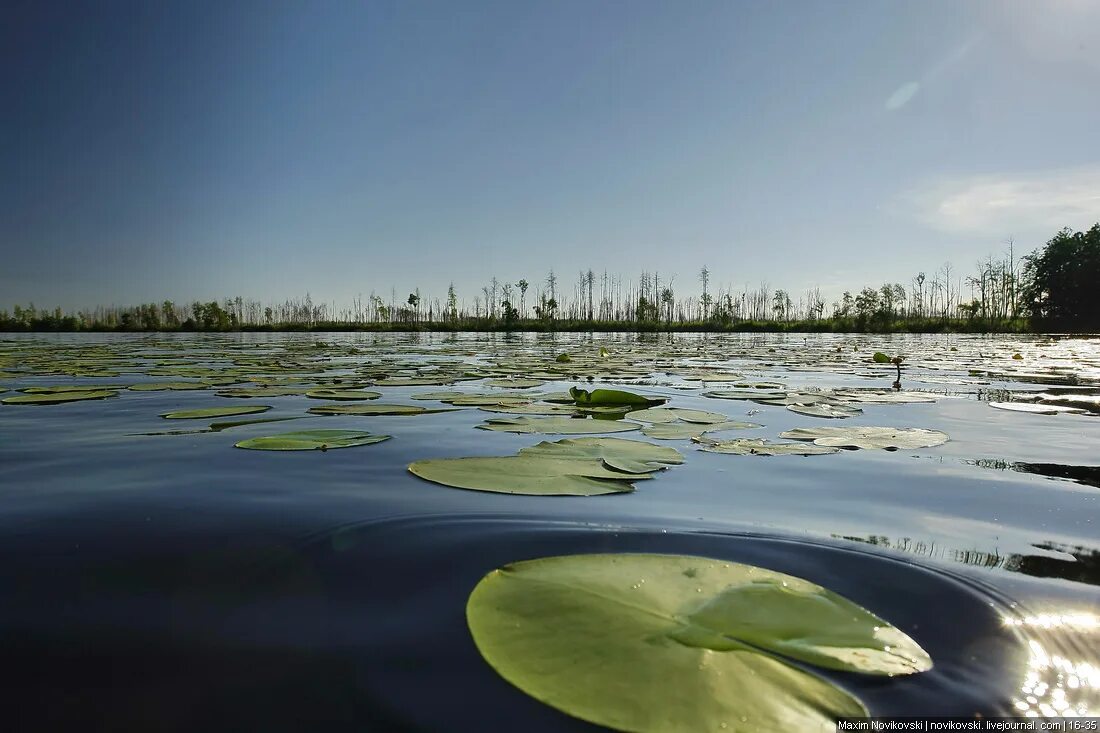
pixel 668 642
pixel 824 409
pixel 61 389
pixel 744 394
pixel 683 430
pixel 870 437
pixel 166 386
pixel 374 409
pixel 881 358
pixel 531 409
pixel 612 397
pixel 620 454
pixel 249 392
pixel 557 425
pixel 208 412
pixel 56 398
pixel 672 414
pixel 759 447
pixel 342 394
pixel 515 383
pixel 1036 409
pixel 313 440
pixel 527 474
pixel 563 358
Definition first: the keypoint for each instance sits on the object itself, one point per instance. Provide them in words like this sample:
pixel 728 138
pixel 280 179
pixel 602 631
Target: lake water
pixel 173 582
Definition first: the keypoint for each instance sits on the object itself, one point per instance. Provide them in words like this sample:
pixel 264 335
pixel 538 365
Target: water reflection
pixel 1053 684
pixel 1086 475
pixel 1084 567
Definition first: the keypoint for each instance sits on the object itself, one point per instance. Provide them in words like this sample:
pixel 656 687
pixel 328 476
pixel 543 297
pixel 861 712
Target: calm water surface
pixel 172 582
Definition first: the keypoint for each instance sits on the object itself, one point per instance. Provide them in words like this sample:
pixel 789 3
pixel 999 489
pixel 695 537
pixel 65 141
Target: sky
pixel 202 150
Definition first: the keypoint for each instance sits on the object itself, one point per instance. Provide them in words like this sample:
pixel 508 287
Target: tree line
pixel 1049 289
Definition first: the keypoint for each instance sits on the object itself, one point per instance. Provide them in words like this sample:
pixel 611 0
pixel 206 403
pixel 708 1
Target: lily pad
pixel 612 397
pixel 531 409
pixel 1037 408
pixel 672 414
pixel 208 412
pixel 515 383
pixel 55 398
pixel 683 430
pixel 557 425
pixel 668 642
pixel 272 391
pixel 620 454
pixel 825 409
pixel 869 437
pixel 313 440
pixel 342 394
pixel 61 389
pixel 759 447
pixel 744 394
pixel 375 409
pixel 527 474
pixel 166 386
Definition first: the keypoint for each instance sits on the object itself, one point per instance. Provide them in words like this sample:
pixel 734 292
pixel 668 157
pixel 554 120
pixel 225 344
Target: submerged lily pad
pixel 313 440
pixel 375 409
pixel 527 474
pixel 669 642
pixel 208 412
pixel 55 398
pixel 869 437
pixel 612 397
pixel 557 425
pixel 760 447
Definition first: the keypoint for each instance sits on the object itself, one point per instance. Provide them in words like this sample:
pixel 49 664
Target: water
pixel 164 582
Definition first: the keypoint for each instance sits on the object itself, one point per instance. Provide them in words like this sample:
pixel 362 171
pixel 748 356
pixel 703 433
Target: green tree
pixel 1061 280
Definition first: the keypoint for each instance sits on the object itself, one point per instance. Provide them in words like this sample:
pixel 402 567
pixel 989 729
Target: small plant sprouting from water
pixel 881 358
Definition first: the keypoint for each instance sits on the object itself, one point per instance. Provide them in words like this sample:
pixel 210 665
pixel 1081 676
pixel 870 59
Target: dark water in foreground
pixel 175 583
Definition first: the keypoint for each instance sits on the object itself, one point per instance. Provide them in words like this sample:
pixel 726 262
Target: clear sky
pixel 203 149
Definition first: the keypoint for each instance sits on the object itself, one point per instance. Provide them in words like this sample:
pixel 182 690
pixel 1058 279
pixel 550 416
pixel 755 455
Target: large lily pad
pixel 1036 408
pixel 208 412
pixel 760 447
pixel 312 440
pixel 527 474
pixel 620 454
pixel 557 425
pixel 667 642
pixel 684 430
pixel 55 398
pixel 374 409
pixel 167 386
pixel 343 394
pixel 869 437
pixel 612 397
pixel 672 414
pixel 825 409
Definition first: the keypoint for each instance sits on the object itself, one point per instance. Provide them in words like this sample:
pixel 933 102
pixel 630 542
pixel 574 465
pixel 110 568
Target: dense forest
pixel 1052 288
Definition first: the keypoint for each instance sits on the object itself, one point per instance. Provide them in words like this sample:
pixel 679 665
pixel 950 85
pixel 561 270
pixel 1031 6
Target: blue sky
pixel 195 150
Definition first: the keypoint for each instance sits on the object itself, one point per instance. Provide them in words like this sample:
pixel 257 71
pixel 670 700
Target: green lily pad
pixel 166 386
pixel 56 398
pixel 881 358
pixel 884 397
pixel 759 447
pixel 208 412
pixel 313 440
pixel 530 409
pixel 61 389
pixel 744 394
pixel 375 409
pixel 440 396
pixel 515 383
pixel 869 437
pixel 672 414
pixel 684 431
pixel 556 425
pixel 527 474
pixel 620 454
pixel 668 642
pixel 342 394
pixel 612 397
pixel 272 391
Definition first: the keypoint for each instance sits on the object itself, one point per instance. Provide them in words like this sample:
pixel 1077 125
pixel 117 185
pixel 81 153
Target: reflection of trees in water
pixel 1087 475
pixel 1084 568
